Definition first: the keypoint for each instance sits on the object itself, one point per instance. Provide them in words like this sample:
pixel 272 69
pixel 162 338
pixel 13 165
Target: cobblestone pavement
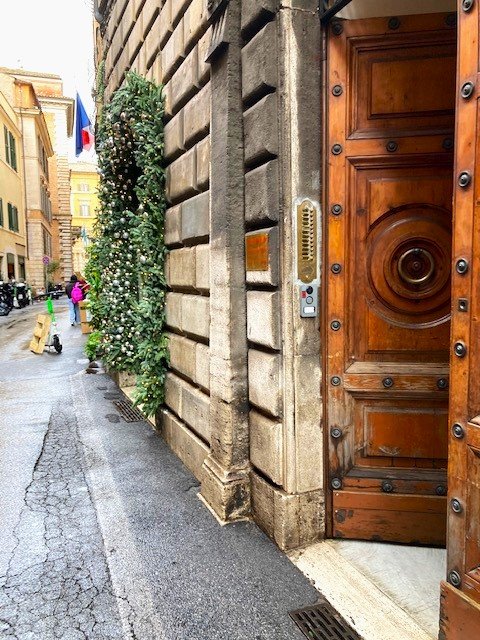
pixel 57 583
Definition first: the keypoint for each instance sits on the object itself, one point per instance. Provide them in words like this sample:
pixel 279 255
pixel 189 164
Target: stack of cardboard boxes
pixel 85 317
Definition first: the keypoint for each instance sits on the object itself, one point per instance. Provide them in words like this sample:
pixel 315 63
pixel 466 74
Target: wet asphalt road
pixel 102 534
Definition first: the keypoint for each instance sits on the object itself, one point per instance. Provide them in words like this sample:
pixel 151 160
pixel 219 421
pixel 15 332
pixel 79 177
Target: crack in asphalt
pixel 57 583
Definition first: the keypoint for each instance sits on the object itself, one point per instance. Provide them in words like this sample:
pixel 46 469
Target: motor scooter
pixel 6 298
pixel 20 292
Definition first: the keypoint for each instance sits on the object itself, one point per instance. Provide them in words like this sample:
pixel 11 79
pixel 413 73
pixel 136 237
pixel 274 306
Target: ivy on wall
pixel 126 262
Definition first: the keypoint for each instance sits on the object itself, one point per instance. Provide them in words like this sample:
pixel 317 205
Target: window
pixel 21 267
pixel 42 156
pixel 1 212
pixel 47 243
pixel 12 217
pixel 10 266
pixel 83 186
pixel 45 203
pixel 84 209
pixel 10 148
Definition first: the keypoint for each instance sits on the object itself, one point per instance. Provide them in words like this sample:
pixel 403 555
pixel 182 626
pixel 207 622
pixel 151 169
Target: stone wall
pixel 243 396
pixel 281 61
pixel 59 179
pixel 166 42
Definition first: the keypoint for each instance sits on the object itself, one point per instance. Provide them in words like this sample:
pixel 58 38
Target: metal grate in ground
pixel 128 411
pixel 322 622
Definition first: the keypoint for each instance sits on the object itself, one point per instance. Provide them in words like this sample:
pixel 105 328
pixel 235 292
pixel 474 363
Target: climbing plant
pixel 126 260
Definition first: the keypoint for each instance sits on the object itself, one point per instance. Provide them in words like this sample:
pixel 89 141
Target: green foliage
pixel 92 347
pixel 52 267
pixel 100 81
pixel 126 260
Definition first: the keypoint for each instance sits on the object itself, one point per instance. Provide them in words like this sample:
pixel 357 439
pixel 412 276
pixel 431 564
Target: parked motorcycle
pixel 22 294
pixel 6 298
pixel 55 290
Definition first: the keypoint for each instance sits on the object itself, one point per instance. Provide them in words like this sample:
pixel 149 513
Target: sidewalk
pixel 183 575
pixel 103 535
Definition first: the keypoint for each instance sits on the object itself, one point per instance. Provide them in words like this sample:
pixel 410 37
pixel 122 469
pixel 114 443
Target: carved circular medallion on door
pixel 409 265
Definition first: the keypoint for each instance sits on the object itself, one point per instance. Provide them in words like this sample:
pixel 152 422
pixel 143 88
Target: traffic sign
pixel 46 260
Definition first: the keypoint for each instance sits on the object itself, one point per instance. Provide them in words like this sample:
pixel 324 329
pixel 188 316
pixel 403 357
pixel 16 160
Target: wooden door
pixel 460 601
pixel 391 88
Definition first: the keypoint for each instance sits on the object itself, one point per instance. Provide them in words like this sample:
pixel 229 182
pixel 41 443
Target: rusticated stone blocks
pixel 196 315
pixel 261 130
pixel 263 318
pixel 266 446
pixel 185 444
pixel 259 63
pixel 173 136
pixel 202 266
pixel 182 177
pixel 185 80
pixel 182 355
pixel 173 310
pixel 181 268
pixel 264 377
pixel 196 219
pixel 257 11
pixel 291 520
pixel 197 115
pixel 262 200
pixel 173 226
pixel 196 411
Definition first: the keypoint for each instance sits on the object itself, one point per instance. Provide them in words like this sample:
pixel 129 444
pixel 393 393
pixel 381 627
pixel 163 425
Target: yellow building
pixel 83 204
pixel 13 244
pixel 25 206
pixel 57 112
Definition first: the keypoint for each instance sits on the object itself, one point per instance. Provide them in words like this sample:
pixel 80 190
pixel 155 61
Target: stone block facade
pixel 242 360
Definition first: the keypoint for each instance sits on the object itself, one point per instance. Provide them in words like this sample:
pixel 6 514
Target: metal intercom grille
pixel 322 622
pixel 307 241
pixel 308 247
pixel 128 411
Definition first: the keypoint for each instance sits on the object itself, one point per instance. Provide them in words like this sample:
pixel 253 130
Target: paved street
pixel 102 533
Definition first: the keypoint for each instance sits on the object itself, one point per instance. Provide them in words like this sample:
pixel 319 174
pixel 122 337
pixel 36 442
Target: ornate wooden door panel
pixel 390 141
pixel 460 602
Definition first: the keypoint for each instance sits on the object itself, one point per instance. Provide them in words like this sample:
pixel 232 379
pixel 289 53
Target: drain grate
pixel 322 622
pixel 128 411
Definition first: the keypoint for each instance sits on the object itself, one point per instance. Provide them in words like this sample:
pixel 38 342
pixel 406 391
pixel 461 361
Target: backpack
pixel 77 293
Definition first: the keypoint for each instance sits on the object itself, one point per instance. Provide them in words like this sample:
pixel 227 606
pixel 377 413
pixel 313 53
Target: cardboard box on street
pixel 85 317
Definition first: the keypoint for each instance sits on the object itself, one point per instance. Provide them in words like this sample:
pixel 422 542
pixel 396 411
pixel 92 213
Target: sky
pixel 52 36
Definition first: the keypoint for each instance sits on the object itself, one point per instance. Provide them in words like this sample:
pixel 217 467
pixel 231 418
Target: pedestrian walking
pixel 72 303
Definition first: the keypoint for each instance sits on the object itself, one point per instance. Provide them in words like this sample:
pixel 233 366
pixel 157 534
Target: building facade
pixel 58 114
pixel 13 231
pixel 83 205
pixel 313 150
pixel 34 149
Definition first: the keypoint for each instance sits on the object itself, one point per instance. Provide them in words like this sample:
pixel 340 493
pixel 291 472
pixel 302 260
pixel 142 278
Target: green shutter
pixel 7 151
pixel 10 216
pixel 13 152
pixel 15 218
pixel 1 212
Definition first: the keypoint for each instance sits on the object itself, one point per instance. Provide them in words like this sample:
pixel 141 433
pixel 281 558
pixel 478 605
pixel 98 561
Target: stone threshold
pixel 365 606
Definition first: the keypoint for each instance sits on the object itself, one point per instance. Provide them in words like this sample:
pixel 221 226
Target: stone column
pixel 226 484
